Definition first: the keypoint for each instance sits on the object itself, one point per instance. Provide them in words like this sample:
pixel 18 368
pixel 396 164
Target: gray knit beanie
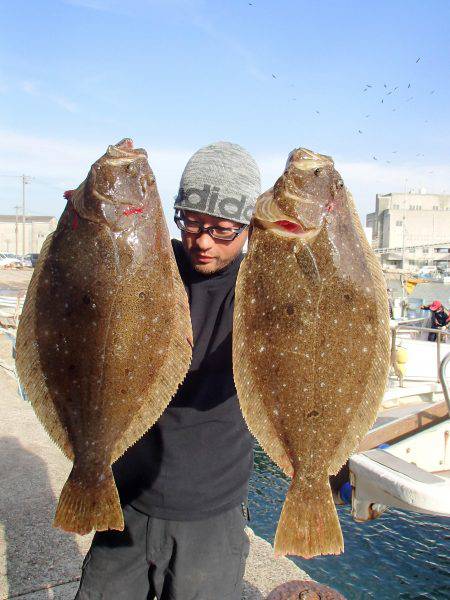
pixel 221 180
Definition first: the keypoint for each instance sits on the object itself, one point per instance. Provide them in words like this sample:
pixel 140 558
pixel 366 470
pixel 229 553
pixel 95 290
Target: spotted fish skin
pixel 104 338
pixel 310 342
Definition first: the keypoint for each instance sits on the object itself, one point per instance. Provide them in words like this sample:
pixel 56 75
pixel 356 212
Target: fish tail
pixel 309 524
pixel 85 506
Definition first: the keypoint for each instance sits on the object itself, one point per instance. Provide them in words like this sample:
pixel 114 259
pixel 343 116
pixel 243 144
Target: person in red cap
pixel 439 317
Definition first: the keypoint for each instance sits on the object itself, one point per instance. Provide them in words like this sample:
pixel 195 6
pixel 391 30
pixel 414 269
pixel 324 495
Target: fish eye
pixel 317 171
pixel 340 183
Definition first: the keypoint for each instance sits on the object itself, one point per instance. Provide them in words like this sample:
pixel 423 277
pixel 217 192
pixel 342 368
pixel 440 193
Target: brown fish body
pixel 311 342
pixel 103 342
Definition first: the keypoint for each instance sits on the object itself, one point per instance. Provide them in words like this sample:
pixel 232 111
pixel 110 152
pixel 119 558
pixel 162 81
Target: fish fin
pixel 171 374
pixel 252 405
pixel 83 507
pixel 28 361
pixel 308 265
pixel 308 525
pixel 367 410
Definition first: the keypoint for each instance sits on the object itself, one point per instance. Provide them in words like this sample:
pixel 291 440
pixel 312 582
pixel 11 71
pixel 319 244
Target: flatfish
pixel 105 335
pixel 310 342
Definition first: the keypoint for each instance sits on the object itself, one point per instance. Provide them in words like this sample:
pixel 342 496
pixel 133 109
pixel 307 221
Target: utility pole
pixel 16 231
pixel 25 180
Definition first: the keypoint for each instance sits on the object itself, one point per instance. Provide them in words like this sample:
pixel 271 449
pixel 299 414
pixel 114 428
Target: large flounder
pixel 104 338
pixel 310 342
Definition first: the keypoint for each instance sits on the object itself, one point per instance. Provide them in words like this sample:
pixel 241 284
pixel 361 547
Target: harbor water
pixel 401 555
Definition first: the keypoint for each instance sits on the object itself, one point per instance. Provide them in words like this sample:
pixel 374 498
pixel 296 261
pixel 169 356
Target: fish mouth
pixel 294 228
pixel 303 159
pixel 269 216
pixel 124 152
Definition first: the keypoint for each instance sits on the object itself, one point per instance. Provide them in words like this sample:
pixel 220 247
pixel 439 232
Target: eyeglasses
pixel 218 233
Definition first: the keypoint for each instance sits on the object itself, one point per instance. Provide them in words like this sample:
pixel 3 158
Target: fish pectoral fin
pixel 308 265
pixel 85 505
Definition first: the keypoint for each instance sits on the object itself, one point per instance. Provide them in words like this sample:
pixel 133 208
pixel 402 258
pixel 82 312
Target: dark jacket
pixel 197 459
pixel 438 318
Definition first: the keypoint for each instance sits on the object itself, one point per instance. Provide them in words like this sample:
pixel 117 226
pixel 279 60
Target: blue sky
pixel 76 75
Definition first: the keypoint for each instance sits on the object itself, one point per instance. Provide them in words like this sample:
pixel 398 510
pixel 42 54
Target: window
pixel 399 223
pixel 425 250
pixel 396 206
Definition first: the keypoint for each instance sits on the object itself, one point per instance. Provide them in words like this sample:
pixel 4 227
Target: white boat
pixel 411 469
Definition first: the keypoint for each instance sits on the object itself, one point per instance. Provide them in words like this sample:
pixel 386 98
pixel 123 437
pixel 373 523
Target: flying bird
pixel 317 112
pixel 418 60
pixel 374 158
pixel 432 92
pixel 274 76
pixel 359 131
pixel 367 116
pixel 409 85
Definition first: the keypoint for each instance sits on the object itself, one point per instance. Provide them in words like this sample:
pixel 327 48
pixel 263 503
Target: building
pixel 36 230
pixel 411 230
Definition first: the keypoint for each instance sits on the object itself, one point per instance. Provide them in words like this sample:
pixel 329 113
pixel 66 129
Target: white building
pixel 36 230
pixel 411 230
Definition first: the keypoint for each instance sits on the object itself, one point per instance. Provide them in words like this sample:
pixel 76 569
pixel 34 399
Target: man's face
pixel 206 254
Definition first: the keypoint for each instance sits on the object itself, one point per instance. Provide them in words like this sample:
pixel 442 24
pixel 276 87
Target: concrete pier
pixel 38 562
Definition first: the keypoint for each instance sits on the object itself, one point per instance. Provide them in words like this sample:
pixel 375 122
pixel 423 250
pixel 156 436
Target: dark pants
pixel 169 560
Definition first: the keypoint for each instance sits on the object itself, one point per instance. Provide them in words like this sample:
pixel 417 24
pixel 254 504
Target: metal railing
pixel 442 375
pixel 407 326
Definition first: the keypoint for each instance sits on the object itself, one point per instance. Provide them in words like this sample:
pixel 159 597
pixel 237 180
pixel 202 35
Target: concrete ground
pixel 16 280
pixel 38 562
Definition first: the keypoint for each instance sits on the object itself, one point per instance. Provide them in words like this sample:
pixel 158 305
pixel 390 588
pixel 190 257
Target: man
pixel 439 318
pixel 184 485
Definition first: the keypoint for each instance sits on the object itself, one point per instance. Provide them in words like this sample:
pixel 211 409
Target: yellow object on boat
pixel 401 358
